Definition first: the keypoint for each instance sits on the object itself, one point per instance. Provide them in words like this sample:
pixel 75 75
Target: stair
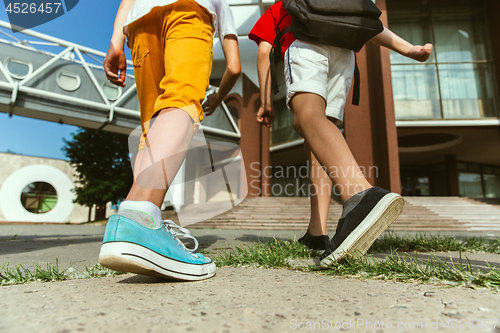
pixel 473 214
pixel 419 214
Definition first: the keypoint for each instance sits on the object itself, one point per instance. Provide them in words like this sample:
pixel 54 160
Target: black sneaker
pixel 360 228
pixel 314 242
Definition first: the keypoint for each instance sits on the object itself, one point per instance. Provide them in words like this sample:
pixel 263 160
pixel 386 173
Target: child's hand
pixel 420 53
pixel 265 115
pixel 210 104
pixel 115 65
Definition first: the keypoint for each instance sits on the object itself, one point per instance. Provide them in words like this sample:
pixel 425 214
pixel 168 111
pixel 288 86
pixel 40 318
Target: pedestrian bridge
pixel 51 79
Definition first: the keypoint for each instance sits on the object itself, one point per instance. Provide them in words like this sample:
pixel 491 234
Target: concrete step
pixel 419 214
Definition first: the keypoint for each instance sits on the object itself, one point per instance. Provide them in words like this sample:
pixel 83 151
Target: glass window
pixel 417 92
pixel 111 91
pixel 39 197
pixel 282 130
pixel 18 69
pixel 462 166
pixel 439 184
pixel 219 120
pixel 474 167
pixel 492 186
pixel 470 185
pixel 457 81
pixel 488 169
pixel 68 81
pixel 438 167
pixel 422 186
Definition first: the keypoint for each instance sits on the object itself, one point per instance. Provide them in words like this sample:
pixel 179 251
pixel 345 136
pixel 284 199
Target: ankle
pixel 142 212
pixel 356 190
pixel 316 232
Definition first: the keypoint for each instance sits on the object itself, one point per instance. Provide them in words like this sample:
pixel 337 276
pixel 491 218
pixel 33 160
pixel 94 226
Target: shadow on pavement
pixel 21 244
pixel 205 241
pixel 256 238
pixel 143 279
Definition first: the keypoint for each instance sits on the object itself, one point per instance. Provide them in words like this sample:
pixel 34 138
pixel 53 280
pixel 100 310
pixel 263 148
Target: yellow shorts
pixel 172 55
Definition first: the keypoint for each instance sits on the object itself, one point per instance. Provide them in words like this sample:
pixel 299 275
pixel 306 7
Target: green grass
pixel 434 243
pixel 20 274
pixel 270 254
pixel 394 266
pixel 409 269
pixel 278 253
pixel 97 271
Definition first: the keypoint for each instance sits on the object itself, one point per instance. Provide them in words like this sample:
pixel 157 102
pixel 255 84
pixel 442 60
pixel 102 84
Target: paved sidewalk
pixel 235 300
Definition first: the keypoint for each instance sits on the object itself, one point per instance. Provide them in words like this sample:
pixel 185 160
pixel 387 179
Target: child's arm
pixel 115 63
pixel 389 39
pixel 231 74
pixel 266 112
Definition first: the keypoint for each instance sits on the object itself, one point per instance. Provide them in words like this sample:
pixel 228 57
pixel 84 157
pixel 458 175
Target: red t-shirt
pixel 265 27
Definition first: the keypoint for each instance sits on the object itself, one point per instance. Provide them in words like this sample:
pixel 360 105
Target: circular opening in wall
pixel 18 69
pixel 111 91
pixel 68 81
pixel 427 142
pixel 39 197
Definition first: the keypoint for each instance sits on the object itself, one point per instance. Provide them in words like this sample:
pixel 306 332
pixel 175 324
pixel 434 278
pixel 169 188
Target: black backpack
pixel 342 23
pixel 348 24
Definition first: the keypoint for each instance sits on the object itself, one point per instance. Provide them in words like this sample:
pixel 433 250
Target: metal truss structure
pixel 69 86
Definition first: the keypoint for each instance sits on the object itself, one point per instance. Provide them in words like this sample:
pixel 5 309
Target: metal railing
pixel 76 54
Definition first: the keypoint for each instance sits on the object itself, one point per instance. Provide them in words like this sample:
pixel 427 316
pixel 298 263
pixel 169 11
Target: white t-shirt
pixel 222 14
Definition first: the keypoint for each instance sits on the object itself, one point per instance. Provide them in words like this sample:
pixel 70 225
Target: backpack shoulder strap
pixel 275 55
pixel 356 92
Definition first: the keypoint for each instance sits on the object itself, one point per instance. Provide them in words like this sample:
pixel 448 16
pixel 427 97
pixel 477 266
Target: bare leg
pixel 327 144
pixel 321 190
pixel 131 248
pixel 157 164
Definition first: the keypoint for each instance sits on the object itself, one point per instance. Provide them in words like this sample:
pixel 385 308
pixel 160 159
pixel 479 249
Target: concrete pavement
pixel 235 300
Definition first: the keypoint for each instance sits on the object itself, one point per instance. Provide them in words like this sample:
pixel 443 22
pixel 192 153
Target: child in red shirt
pixel 318 78
pixel 265 29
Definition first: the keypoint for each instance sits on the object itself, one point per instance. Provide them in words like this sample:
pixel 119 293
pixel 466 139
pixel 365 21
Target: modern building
pixel 421 129
pixel 429 129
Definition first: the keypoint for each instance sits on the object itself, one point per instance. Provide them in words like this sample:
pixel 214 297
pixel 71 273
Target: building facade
pixel 430 129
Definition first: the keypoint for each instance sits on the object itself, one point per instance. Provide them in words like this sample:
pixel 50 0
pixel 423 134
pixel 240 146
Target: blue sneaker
pixel 131 247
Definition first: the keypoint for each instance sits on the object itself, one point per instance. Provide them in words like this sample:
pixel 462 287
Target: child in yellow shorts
pixel 171 43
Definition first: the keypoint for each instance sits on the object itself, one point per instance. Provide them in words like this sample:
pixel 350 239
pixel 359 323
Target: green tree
pixel 102 166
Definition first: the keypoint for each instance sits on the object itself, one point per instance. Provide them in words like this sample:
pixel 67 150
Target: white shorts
pixel 320 69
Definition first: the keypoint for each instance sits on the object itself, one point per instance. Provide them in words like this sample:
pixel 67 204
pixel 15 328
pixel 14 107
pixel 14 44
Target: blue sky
pixel 89 24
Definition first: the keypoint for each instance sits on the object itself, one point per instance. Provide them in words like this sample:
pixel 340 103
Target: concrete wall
pixel 12 163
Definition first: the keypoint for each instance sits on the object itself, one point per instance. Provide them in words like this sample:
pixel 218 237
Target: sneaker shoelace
pixel 180 232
